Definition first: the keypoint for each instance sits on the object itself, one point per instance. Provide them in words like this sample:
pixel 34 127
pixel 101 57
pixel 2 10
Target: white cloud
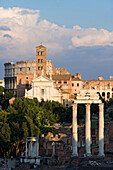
pixel 21 30
pixel 92 37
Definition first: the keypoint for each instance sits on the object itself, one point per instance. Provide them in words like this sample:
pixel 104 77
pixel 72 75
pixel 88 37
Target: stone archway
pixel 88 97
pixel 103 94
pixel 108 95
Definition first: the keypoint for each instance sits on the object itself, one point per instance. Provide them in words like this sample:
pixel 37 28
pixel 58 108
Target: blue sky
pixel 77 33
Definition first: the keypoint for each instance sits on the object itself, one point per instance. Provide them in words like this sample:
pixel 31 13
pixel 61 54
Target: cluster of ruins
pixel 57 145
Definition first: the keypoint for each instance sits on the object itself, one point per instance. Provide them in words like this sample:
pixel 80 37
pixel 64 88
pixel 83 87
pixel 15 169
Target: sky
pixel 78 34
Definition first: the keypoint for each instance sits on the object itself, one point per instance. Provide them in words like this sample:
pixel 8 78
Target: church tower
pixel 40 60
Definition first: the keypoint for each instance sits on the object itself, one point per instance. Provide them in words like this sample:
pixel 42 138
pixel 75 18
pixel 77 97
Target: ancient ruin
pixel 31 152
pixel 88 97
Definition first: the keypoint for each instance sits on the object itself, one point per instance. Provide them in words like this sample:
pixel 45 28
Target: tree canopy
pixel 26 117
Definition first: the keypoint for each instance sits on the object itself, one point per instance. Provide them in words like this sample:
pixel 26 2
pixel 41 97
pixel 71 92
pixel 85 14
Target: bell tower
pixel 40 60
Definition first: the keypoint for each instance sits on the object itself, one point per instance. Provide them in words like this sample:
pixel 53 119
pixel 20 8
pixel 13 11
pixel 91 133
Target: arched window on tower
pixel 42 53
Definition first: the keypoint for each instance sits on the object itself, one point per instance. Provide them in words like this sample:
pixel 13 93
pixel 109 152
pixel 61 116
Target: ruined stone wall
pixel 61 71
pixel 77 75
pixel 49 67
pixel 105 84
pixel 25 67
pixel 21 90
pixel 24 79
pixel 63 137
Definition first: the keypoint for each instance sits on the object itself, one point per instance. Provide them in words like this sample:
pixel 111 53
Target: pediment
pixel 41 79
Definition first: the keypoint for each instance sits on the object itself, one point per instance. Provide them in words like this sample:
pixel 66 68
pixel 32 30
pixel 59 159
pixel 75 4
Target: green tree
pixel 5 132
pixel 5 99
pixel 69 114
pixel 25 130
pixel 1 90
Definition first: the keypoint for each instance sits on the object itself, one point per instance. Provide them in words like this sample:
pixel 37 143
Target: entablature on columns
pixel 87 96
pixel 85 101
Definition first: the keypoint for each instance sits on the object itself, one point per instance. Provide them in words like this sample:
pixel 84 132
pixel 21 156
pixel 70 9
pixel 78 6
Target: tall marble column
pixel 37 148
pixel 31 149
pixel 105 95
pixel 75 135
pixel 110 94
pixel 88 130
pixel 53 144
pixel 26 150
pixel 101 129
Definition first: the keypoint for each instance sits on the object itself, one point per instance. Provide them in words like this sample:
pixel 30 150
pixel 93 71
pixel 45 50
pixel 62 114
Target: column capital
pixel 101 107
pixel 101 104
pixel 74 105
pixel 87 104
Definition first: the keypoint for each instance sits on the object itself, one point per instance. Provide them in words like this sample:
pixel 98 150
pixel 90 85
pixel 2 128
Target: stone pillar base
pixel 31 161
pixel 26 160
pixel 88 154
pixel 101 155
pixel 74 155
pixel 38 161
pixel 21 160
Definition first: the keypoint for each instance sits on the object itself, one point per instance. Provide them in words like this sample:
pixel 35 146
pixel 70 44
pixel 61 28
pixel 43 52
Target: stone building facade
pixel 103 87
pixel 19 76
pixel 43 89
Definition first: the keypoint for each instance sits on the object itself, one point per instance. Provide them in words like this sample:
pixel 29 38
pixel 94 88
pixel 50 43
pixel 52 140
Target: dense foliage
pixel 27 117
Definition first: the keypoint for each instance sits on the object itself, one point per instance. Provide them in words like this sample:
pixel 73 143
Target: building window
pixel 38 60
pixel 65 82
pixel 38 68
pixel 29 68
pixel 13 83
pixel 41 67
pixel 20 81
pixel 20 69
pixel 26 77
pixel 87 83
pixel 42 53
pixel 41 60
pixel 72 84
pixel 59 82
pixel 38 53
pixel 77 84
pixel 42 91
